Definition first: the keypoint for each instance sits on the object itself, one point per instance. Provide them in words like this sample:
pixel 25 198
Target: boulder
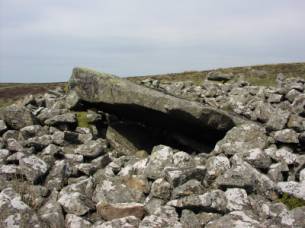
pixel 242 138
pixel 297 189
pixel 143 104
pixel 286 136
pixel 33 168
pixel 74 221
pixel 17 117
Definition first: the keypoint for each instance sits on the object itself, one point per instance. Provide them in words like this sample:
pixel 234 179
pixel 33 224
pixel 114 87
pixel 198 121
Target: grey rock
pixel 152 205
pixel 39 142
pixel 17 117
pixel 92 149
pixel 51 213
pixel 176 176
pixel 245 176
pixel 277 170
pixel 115 191
pixel 216 165
pixel 235 219
pixel 296 122
pixel 32 131
pixel 286 136
pixel 74 221
pixel 297 189
pixel 257 158
pixel 13 145
pixel 161 189
pixel 14 212
pixel 161 156
pixel 3 127
pixel 219 76
pixel 165 216
pixel 33 168
pixel 130 221
pixel 95 87
pixel 211 201
pixel 292 94
pixel 278 121
pixel 183 160
pixel 191 187
pixel 298 105
pixel 237 199
pixel 189 219
pixel 242 138
pixel 76 203
pixel 67 118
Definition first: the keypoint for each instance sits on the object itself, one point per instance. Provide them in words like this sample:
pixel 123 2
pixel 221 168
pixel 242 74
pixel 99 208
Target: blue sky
pixel 42 40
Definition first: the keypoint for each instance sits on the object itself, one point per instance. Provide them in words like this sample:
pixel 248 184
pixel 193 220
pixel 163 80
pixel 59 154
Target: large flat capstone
pixel 135 102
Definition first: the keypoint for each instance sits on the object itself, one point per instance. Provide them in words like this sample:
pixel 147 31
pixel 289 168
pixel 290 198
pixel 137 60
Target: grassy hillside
pixel 11 92
pixel 257 75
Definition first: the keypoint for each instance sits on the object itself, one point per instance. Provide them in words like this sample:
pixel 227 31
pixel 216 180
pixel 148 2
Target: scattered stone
pixel 74 221
pixel 3 127
pixel 286 136
pixel 237 199
pixel 120 210
pixel 33 168
pixel 297 189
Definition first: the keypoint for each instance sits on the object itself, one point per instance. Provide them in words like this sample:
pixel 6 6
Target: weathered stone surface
pixel 3 127
pixel 74 221
pixel 242 138
pixel 34 168
pixel 178 177
pixel 216 165
pixel 234 219
pixel 161 189
pixel 92 149
pixel 76 203
pixel 115 191
pixel 17 117
pixel 14 212
pixel 67 118
pixel 191 187
pixel 189 219
pixel 211 201
pixel 130 221
pixel 52 214
pixel 286 136
pixel 95 87
pixel 161 156
pixel 245 176
pixel 120 210
pixel 257 158
pixel 296 189
pixel 237 199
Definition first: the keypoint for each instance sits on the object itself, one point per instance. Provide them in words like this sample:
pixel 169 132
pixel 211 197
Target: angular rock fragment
pixel 297 189
pixel 76 203
pixel 74 221
pixel 120 210
pixel 211 201
pixel 286 136
pixel 17 117
pixel 34 168
pixel 14 212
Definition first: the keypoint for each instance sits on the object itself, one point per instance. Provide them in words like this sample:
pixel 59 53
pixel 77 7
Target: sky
pixel 42 40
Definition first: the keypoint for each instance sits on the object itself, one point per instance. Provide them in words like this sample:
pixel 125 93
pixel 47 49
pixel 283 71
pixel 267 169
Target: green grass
pixel 82 120
pixel 291 202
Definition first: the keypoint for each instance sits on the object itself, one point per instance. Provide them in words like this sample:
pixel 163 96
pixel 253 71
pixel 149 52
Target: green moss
pixel 66 88
pixel 291 202
pixel 82 120
pixel 262 81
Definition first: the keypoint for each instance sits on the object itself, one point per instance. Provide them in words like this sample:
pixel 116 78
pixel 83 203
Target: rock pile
pixel 111 153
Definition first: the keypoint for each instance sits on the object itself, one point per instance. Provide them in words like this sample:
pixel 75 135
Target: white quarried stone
pixel 237 199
